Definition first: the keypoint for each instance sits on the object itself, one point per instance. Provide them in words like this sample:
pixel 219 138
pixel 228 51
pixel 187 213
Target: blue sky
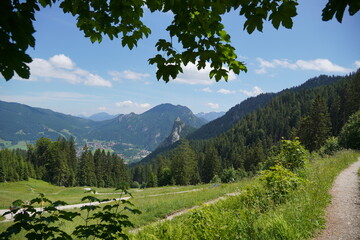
pixel 71 75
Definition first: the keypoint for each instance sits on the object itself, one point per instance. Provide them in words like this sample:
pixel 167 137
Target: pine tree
pixel 86 172
pixel 99 161
pixel 211 165
pixel 184 165
pixel 315 128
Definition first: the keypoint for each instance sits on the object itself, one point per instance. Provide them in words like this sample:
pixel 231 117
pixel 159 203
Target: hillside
pixel 147 129
pixel 20 122
pixel 313 111
pixel 102 116
pixel 225 122
pixel 210 116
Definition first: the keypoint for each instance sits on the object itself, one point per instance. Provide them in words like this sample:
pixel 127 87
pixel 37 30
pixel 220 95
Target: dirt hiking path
pixel 343 214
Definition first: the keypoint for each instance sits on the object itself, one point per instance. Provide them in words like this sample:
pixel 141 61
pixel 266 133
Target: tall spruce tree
pixel 315 128
pixel 211 164
pixel 184 165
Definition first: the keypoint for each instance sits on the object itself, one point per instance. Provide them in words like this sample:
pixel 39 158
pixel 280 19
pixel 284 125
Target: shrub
pixel 292 155
pixel 228 175
pixel 135 184
pixel 350 134
pixel 330 147
pixel 215 179
pixel 279 182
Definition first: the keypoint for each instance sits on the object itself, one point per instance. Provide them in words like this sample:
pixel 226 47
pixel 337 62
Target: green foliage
pixel 315 128
pixel 135 184
pixel 107 223
pixel 280 182
pixel 183 164
pixel 350 134
pixel 197 26
pixel 228 175
pixel 215 179
pixel 254 215
pixel 338 7
pixel 331 146
pixel 56 163
pixel 292 155
pixel 39 224
pixel 249 143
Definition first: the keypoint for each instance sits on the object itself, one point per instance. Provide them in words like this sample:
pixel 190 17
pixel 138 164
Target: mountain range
pixel 226 124
pixel 210 116
pixel 20 122
pixel 144 131
pixel 98 117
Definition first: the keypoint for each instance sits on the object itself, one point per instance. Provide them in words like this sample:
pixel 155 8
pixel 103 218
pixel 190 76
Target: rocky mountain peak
pixel 175 134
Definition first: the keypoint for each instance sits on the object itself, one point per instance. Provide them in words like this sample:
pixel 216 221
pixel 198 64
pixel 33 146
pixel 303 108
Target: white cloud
pixel 213 105
pixel 62 67
pixel 127 74
pixel 323 65
pixel 207 89
pixel 102 108
pixel 62 61
pixel 131 104
pixel 39 99
pixel 225 91
pixel 191 75
pixel 357 64
pixel 255 91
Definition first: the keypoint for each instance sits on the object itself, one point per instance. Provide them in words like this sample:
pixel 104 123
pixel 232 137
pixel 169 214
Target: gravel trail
pixel 343 214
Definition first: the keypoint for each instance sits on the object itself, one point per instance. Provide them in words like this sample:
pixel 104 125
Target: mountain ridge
pixel 20 122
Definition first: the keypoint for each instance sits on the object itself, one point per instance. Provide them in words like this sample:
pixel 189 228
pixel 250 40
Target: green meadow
pixel 247 215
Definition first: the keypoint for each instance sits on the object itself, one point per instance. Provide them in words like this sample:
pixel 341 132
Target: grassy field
pixel 299 218
pixel 251 215
pixel 26 190
pixel 155 203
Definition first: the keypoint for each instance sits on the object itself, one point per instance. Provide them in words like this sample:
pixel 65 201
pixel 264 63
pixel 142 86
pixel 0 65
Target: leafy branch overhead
pixel 196 26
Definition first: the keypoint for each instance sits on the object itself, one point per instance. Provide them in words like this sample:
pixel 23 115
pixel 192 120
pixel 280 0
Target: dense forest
pixel 315 112
pixel 56 162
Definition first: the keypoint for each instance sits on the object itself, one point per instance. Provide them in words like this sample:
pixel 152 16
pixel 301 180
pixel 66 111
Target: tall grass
pixel 253 216
pixel 26 190
pixel 155 203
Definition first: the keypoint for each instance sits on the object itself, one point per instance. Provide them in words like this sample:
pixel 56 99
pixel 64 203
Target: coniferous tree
pixel 86 172
pixel 2 172
pixel 99 161
pixel 211 165
pixel 72 161
pixel 184 165
pixel 350 134
pixel 315 128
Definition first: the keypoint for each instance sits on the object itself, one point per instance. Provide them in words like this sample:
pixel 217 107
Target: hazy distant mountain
pixel 20 122
pixel 147 129
pixel 210 116
pixel 102 116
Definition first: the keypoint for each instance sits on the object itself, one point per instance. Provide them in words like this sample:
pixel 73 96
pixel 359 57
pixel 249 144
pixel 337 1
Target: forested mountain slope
pixel 224 123
pixel 313 113
pixel 147 129
pixel 20 122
